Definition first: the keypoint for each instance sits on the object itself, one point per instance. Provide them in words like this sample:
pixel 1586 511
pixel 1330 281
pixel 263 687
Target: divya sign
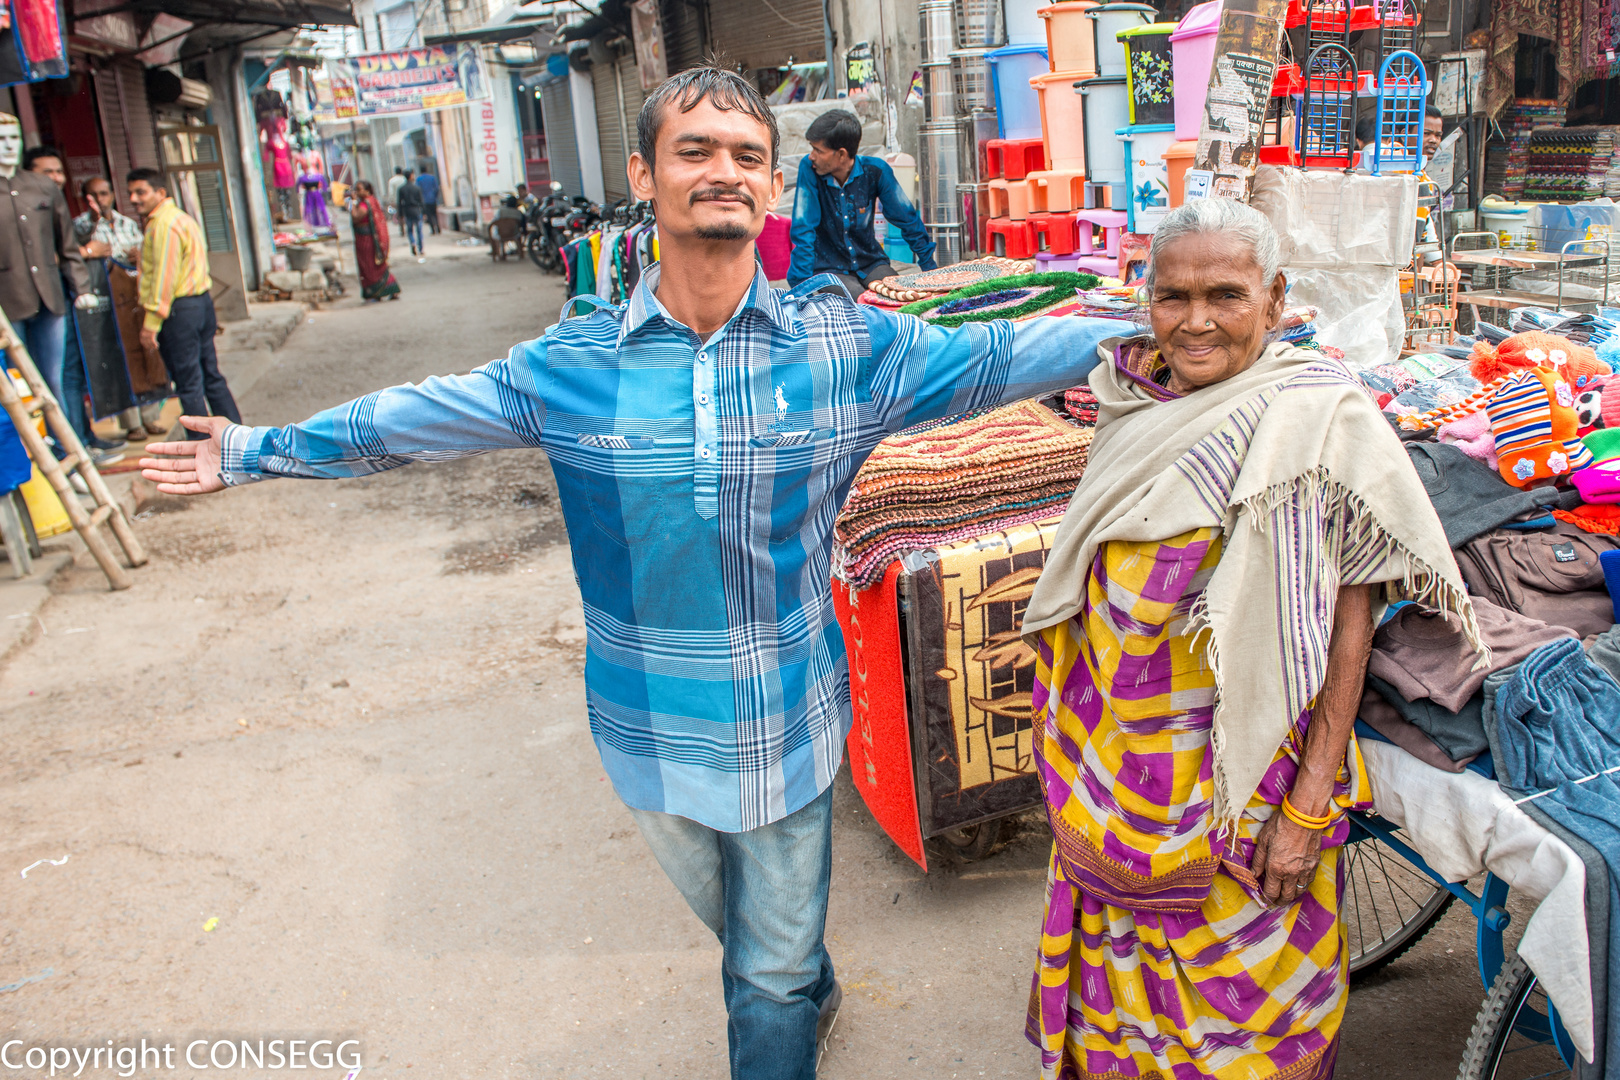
pixel 409 80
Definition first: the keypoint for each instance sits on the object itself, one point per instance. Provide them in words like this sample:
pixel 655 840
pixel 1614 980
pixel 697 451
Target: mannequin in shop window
pixel 31 253
pixel 278 165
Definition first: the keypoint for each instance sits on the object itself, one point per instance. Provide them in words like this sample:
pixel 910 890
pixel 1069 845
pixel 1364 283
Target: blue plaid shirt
pixel 699 481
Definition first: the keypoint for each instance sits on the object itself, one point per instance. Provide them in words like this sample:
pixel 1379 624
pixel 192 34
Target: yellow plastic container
pixel 50 519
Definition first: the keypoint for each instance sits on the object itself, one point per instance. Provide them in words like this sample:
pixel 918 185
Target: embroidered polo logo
pixel 781 404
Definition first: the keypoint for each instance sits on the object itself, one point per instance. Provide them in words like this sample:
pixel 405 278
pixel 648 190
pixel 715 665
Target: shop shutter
pixel 767 33
pixel 127 132
pixel 557 113
pixel 616 83
pixel 684 44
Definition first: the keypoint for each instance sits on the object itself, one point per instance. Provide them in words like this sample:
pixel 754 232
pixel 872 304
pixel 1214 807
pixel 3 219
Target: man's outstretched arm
pixel 495 407
pixel 923 372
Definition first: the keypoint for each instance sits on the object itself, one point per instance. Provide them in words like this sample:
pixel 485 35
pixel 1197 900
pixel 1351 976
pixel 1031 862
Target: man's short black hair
pixel 723 89
pixel 399 170
pixel 838 129
pixel 1366 129
pixel 150 176
pixel 41 152
pixel 1430 110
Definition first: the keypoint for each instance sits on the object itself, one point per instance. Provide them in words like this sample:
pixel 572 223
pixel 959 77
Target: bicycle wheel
pixel 1388 904
pixel 1512 1036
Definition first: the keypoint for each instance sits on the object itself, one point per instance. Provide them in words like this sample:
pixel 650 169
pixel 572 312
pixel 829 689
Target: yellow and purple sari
pixel 1159 958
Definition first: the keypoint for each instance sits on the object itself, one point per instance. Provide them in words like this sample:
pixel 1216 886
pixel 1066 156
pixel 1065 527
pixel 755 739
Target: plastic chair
pixel 1055 233
pixel 1011 199
pixel 1327 125
pixel 1014 159
pixel 502 232
pixel 1403 89
pixel 1017 238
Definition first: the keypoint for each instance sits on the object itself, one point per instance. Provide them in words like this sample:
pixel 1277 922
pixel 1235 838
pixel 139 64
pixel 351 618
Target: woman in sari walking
pixel 370 226
pixel 1202 629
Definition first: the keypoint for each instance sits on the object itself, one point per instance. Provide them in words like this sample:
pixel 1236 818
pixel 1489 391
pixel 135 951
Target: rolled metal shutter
pixel 562 149
pixel 768 33
pixel 683 33
pixel 127 131
pixel 618 102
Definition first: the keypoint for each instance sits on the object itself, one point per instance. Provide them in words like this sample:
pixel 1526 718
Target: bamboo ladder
pixel 107 511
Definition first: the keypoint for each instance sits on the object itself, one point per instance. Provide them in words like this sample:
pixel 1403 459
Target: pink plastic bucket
pixel 1192 57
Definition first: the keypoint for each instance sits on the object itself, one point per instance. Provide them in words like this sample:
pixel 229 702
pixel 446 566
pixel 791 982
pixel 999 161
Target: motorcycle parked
pixel 556 221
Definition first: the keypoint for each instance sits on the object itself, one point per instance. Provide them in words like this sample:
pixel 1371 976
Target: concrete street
pixel 347 722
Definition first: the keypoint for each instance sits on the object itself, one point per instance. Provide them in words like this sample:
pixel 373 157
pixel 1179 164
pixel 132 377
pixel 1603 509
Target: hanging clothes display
pixel 608 261
pixel 315 213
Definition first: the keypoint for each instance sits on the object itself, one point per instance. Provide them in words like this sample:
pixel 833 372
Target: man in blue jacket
pixel 429 185
pixel 838 190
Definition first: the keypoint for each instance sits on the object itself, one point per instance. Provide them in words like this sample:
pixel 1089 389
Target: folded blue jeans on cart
pixel 1551 719
pixel 1597 885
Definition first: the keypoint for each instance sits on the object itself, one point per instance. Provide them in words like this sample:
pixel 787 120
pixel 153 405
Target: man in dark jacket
pixel 428 184
pixel 36 249
pixel 835 206
pixel 411 208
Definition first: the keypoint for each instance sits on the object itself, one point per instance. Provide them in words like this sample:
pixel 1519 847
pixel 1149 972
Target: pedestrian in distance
pixel 837 196
pixel 703 436
pixel 175 294
pixel 396 182
pixel 370 228
pixel 428 184
pixel 411 208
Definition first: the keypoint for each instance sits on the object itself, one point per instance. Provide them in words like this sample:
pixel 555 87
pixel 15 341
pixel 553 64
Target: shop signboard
pixel 408 81
pixel 496 163
pixel 1239 91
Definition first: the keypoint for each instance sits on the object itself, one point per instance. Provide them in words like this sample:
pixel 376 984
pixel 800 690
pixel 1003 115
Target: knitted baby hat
pixel 1533 418
pixel 1579 364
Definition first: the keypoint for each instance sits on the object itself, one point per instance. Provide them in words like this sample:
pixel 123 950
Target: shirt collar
pixel 853 173
pixel 644 305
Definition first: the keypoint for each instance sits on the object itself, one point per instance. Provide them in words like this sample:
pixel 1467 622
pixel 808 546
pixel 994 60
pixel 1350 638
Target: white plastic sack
pixel 1359 310
pixel 1327 218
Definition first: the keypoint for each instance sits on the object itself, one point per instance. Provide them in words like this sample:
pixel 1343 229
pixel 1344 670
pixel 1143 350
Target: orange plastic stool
pixel 1017 238
pixel 1014 159
pixel 1057 190
pixel 1010 198
pixel 1055 233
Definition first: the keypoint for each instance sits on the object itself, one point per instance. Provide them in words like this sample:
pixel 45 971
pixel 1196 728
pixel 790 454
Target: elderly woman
pixel 1202 627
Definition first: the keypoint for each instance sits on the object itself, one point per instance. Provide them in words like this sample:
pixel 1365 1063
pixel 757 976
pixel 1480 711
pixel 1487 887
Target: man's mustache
pixel 722 193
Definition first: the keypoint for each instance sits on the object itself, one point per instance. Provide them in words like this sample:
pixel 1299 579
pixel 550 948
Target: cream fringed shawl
pixel 1311 489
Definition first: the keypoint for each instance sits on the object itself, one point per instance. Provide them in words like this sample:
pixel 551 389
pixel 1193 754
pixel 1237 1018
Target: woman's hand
pixel 1285 859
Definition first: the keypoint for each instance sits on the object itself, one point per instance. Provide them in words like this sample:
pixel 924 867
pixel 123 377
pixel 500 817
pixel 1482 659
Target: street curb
pixel 21 601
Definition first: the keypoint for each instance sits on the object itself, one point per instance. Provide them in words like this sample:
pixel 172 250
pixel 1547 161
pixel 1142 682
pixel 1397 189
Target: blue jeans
pixel 46 337
pixel 764 894
pixel 413 230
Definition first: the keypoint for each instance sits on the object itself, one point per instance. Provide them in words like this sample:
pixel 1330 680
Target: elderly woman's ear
pixel 1278 301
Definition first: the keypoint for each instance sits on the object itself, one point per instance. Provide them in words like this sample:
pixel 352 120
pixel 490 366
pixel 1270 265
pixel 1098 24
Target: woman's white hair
pixel 1237 221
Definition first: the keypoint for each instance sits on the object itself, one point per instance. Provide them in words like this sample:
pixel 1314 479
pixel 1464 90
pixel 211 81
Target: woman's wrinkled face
pixel 1211 309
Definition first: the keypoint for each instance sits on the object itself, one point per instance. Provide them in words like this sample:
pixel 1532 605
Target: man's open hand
pixel 187 468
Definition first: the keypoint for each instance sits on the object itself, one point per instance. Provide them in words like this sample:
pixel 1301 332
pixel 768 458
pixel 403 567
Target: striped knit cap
pixel 1533 419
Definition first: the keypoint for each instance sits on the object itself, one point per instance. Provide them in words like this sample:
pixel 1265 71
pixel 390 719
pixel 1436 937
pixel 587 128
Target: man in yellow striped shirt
pixel 175 286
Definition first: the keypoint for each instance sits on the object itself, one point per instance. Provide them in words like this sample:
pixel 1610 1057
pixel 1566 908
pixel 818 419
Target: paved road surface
pixel 346 720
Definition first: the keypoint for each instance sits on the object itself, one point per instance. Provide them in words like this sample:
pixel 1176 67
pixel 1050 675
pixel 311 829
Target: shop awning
pixel 285 14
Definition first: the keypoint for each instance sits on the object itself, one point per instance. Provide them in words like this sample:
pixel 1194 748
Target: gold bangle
pixel 1304 820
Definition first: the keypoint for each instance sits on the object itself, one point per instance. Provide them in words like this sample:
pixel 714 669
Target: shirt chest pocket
pixel 801 460
pixel 637 484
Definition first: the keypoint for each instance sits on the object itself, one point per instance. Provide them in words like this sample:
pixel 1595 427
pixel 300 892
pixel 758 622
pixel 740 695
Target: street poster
pixel 1239 92
pixel 408 80
pixel 648 31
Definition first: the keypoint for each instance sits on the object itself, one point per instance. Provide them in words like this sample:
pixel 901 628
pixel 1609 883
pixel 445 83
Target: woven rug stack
pixel 894 292
pixel 949 481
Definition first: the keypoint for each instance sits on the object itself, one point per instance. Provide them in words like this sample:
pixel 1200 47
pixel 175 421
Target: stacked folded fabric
pixel 1568 164
pixel 1520 119
pixel 937 484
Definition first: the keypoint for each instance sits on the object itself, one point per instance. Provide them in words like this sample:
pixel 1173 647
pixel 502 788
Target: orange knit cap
pixel 1577 363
